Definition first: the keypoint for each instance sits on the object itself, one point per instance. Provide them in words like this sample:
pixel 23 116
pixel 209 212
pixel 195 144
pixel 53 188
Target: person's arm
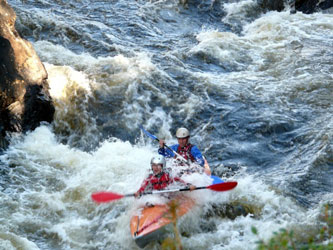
pixel 142 188
pixel 197 156
pixel 189 185
pixel 165 151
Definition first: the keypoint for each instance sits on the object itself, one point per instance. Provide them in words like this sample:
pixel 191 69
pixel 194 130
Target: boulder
pixel 25 101
pixel 310 6
pixel 305 6
pixel 277 5
pixel 233 210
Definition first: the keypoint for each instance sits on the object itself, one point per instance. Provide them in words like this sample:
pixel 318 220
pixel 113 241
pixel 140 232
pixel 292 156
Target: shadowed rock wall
pixel 24 97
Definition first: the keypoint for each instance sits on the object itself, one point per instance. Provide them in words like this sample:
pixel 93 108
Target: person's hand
pixel 207 171
pixel 192 187
pixel 161 143
pixel 137 194
pixel 207 168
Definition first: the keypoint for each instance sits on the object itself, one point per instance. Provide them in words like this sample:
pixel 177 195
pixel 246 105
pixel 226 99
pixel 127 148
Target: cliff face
pixel 24 97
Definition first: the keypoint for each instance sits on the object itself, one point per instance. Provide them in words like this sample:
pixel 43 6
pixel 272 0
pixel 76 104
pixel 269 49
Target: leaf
pixel 254 230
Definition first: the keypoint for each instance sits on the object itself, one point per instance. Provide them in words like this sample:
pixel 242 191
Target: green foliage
pixel 173 243
pixel 169 244
pixel 286 240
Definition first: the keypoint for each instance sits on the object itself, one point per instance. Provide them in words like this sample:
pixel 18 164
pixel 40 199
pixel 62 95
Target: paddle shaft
pixel 169 191
pixel 110 196
pixel 173 151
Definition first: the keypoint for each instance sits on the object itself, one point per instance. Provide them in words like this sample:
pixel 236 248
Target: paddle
pixel 178 155
pixel 155 138
pixel 102 197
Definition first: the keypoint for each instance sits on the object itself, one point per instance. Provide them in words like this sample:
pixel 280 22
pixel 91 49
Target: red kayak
pixel 152 223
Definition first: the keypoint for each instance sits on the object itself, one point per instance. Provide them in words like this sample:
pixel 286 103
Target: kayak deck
pixel 151 223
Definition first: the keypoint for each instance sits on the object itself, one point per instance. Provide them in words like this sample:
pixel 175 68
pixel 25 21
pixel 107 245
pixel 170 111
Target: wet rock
pixel 225 171
pixel 277 5
pixel 24 91
pixel 233 210
pixel 310 6
pixel 324 5
pixel 305 6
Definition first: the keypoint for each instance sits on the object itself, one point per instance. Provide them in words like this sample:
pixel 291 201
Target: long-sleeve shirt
pixel 189 152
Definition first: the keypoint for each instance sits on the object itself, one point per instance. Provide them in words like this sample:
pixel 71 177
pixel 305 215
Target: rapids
pixel 255 88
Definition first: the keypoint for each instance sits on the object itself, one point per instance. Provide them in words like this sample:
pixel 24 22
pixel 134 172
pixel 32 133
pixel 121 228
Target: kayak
pixel 153 222
pixel 216 179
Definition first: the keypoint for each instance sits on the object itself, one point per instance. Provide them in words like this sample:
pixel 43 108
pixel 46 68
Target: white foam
pixel 114 70
pixel 10 241
pixel 238 12
pixel 64 80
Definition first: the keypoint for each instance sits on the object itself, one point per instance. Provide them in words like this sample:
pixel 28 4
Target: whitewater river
pixel 255 88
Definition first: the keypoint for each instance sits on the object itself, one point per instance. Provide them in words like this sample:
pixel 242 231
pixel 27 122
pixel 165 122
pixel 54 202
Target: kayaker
pixel 159 179
pixel 188 151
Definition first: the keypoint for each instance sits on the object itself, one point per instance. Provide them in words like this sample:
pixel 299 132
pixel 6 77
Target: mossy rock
pixel 233 210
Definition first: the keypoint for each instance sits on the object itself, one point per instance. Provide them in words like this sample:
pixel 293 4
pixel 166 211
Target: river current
pixel 254 87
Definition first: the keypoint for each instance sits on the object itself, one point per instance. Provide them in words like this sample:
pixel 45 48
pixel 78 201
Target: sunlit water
pixel 255 89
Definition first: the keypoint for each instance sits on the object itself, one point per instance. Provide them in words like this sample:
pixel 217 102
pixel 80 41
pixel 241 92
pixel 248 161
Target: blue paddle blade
pixel 149 134
pixel 216 180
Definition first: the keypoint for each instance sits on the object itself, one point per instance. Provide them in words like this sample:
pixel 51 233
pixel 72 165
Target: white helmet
pixel 182 133
pixel 158 160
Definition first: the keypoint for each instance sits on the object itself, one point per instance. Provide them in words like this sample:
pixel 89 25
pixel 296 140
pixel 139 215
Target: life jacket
pixel 156 182
pixel 186 152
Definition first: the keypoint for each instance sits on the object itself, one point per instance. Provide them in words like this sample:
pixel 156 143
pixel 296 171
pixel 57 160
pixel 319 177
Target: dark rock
pixel 326 4
pixel 310 6
pixel 233 210
pixel 225 171
pixel 305 6
pixel 37 107
pixel 25 101
pixel 277 5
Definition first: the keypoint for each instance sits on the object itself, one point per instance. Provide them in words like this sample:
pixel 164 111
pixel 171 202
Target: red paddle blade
pixel 225 186
pixel 101 197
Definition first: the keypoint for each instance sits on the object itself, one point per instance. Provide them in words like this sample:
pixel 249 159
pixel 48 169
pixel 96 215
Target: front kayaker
pixel 159 179
pixel 188 151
